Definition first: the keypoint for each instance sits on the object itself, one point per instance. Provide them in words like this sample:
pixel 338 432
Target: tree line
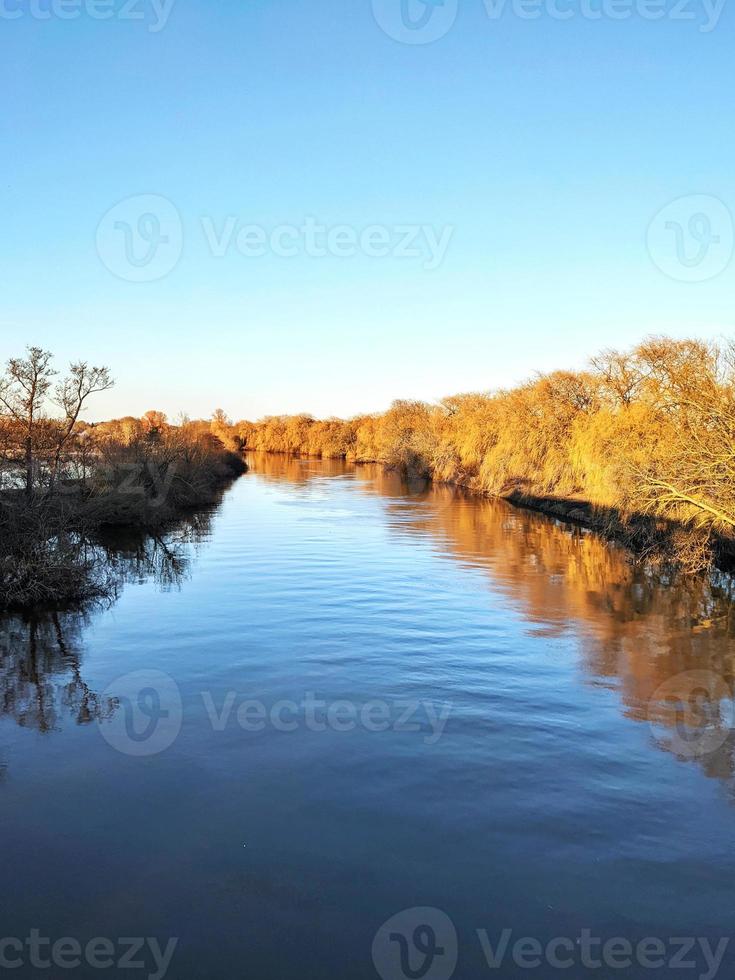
pixel 644 436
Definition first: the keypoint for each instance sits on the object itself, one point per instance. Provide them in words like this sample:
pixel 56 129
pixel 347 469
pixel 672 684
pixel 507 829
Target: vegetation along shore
pixel 62 480
pixel 640 446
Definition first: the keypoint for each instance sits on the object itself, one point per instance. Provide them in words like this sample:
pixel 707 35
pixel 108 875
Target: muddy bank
pixel 651 538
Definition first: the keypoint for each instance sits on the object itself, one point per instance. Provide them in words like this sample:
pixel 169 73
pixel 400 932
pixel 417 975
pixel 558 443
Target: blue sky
pixel 544 147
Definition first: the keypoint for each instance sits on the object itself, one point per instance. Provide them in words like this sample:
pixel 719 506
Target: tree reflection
pixel 664 643
pixel 643 632
pixel 40 672
pixel 296 470
pixel 41 654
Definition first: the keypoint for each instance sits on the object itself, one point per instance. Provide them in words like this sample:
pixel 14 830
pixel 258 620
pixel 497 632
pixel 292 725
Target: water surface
pixel 541 782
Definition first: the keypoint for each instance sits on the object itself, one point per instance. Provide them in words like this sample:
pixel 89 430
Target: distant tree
pixel 130 428
pixel 154 422
pixel 407 438
pixel 221 427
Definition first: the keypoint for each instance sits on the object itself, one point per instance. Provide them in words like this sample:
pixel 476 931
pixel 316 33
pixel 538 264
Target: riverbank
pixel 640 446
pixel 647 538
pixel 63 480
pixel 49 553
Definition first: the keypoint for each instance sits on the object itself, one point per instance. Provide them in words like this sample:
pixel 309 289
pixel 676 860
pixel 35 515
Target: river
pixel 341 697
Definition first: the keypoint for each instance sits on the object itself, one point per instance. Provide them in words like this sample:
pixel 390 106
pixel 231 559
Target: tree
pixel 154 422
pixel 23 391
pixel 71 395
pixel 621 375
pixel 407 438
pixel 691 476
pixel 24 394
pixel 221 427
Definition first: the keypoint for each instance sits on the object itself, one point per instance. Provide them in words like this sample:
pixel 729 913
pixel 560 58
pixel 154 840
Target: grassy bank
pixel 640 445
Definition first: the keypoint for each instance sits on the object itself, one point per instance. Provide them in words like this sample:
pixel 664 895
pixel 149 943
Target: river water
pixel 340 698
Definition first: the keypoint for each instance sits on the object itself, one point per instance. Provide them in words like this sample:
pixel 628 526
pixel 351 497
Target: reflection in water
pixel 665 644
pixel 41 653
pixel 40 672
pixel 302 470
pixel 647 634
pixel 547 803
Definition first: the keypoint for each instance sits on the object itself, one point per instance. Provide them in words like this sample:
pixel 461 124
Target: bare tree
pixel 691 476
pixel 621 375
pixel 23 391
pixel 70 396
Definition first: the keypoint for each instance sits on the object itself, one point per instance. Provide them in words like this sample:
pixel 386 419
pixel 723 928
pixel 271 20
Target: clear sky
pixel 545 147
